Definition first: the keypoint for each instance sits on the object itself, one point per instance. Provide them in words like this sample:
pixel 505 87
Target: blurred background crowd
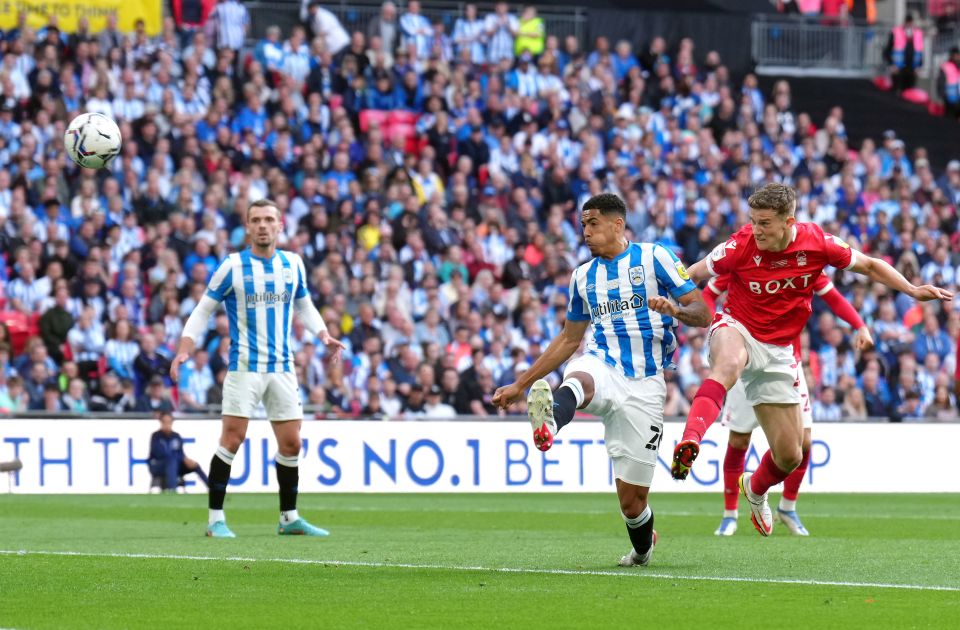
pixel 432 181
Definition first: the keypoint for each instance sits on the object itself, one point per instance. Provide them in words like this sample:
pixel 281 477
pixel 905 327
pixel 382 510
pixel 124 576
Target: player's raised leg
pixel 232 434
pixel 638 516
pixel 550 411
pixel 787 510
pixel 287 459
pixel 728 357
pixel 782 425
pixel 733 464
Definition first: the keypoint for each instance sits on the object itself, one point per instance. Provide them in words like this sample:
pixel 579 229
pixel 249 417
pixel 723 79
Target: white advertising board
pixel 109 456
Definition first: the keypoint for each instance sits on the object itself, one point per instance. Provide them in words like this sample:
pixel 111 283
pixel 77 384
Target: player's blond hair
pixel 777 197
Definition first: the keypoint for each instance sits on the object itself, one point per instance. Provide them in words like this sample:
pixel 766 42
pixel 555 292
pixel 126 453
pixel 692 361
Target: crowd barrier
pixel 109 456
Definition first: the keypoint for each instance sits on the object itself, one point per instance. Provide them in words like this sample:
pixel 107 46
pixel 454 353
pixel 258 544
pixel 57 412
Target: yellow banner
pixel 68 12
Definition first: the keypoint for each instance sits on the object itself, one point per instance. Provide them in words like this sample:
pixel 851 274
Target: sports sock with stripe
pixel 640 530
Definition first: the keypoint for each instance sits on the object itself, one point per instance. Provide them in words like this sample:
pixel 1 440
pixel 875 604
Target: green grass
pixel 252 582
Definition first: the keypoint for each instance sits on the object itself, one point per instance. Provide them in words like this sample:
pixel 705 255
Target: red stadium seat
pixel 368 116
pixel 402 131
pixel 19 327
pixel 883 83
pixel 402 116
pixel 916 95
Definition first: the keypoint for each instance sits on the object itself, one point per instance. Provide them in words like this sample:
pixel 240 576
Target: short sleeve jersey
pixel 770 292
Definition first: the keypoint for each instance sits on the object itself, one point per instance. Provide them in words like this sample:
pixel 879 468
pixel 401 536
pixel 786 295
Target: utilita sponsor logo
pixel 616 308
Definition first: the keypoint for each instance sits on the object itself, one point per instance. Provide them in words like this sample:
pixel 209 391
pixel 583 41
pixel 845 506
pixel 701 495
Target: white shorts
pixel 772 374
pixel 632 414
pixel 278 391
pixel 738 414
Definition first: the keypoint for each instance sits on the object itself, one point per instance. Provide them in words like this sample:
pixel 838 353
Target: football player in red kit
pixel 773 264
pixel 739 418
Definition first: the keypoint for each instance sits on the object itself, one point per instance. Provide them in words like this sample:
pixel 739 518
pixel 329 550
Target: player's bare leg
pixel 787 510
pixel 638 516
pixel 287 433
pixel 733 463
pixel 728 357
pixel 784 430
pixel 232 434
pixel 550 411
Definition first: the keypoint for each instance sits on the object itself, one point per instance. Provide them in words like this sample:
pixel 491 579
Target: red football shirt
pixel 718 285
pixel 770 292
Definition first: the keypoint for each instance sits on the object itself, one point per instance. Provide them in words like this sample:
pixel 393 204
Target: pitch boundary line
pixel 479 569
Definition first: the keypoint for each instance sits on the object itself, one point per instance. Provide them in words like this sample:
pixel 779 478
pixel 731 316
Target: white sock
pixel 291 461
pixel 787 505
pixel 288 517
pixel 634 523
pixel 730 514
pixel 216 515
pixel 225 455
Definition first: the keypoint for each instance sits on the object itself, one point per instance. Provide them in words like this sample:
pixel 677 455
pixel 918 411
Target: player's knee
pixel 788 459
pixel 586 382
pixel 290 447
pixel 740 441
pixel 633 506
pixel 232 441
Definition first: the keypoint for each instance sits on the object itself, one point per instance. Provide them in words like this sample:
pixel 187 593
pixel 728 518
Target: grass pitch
pixel 520 560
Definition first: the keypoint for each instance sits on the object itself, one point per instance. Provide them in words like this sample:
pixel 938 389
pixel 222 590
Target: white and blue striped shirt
pixel 259 295
pixel 231 19
pixel 613 294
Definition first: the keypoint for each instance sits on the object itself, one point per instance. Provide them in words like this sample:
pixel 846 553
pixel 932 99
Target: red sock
pixel 768 474
pixel 733 463
pixel 707 403
pixel 791 485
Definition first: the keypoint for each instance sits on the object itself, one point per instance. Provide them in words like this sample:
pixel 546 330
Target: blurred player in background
pixel 739 418
pixel 622 294
pixel 773 264
pixel 258 287
pixel 168 463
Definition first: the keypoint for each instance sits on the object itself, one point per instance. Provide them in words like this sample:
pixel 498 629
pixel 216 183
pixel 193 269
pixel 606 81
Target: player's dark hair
pixel 606 203
pixel 777 197
pixel 263 203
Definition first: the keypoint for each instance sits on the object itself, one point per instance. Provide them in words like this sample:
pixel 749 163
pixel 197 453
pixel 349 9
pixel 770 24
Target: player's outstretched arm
pixel 560 349
pixel 882 272
pixel 193 331
pixel 692 309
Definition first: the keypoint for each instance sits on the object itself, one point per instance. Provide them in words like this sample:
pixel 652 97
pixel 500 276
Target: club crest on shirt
pixel 287 275
pixel 636 275
pixel 802 259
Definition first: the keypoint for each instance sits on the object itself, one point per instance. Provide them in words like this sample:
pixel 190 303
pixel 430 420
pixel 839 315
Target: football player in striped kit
pixel 260 287
pixel 623 295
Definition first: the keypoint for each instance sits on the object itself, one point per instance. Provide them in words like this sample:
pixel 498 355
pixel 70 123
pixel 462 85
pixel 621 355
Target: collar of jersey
pixel 618 256
pixel 261 258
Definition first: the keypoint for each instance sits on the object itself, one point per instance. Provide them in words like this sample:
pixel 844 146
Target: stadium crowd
pixel 432 184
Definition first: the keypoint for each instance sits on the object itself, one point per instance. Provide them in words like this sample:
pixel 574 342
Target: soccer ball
pixel 92 140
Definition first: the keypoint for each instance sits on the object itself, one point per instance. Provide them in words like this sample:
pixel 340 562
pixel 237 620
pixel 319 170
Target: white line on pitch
pixel 441 567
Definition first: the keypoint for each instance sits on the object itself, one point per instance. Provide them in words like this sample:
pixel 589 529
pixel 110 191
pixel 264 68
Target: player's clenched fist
pixel 506 396
pixel 663 306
